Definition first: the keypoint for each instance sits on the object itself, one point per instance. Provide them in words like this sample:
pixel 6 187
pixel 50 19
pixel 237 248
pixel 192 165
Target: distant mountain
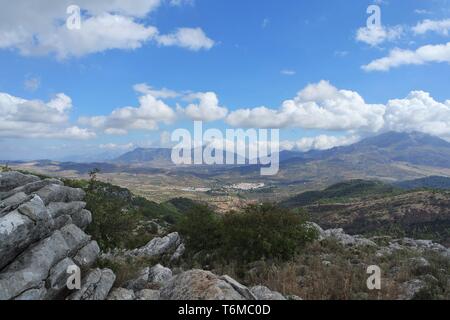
pixel 151 156
pixel 434 182
pixel 415 148
pixel 389 157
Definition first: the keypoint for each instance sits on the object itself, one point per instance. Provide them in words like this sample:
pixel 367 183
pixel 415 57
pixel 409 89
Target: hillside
pixel 434 182
pixel 384 210
pixel 339 192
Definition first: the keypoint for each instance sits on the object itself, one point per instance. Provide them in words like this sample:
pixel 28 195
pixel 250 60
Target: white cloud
pixel 419 112
pixel 21 118
pixel 114 146
pixel 438 26
pixel 398 57
pixel 147 116
pixel 207 108
pixel 375 36
pixel 190 38
pixel 38 27
pixel 321 142
pixel 318 106
pixel 163 93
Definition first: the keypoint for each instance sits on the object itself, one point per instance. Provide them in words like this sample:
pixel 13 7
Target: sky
pixel 326 73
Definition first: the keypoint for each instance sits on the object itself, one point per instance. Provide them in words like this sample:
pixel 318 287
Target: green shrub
pixel 200 227
pixel 259 232
pixel 264 231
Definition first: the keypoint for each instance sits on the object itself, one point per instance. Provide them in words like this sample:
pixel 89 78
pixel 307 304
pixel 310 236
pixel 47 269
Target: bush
pixel 265 231
pixel 259 232
pixel 200 228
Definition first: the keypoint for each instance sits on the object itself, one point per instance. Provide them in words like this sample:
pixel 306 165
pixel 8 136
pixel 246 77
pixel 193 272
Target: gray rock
pixel 159 275
pixel 13 202
pixel 31 268
pixel 38 293
pixel 87 255
pixel 57 209
pixel 243 290
pixel 411 288
pixel 199 285
pixel 159 246
pixel 140 282
pixel 33 186
pixel 96 286
pixel 121 294
pixel 178 253
pixel 74 237
pixel 264 293
pixel 57 279
pixel 346 239
pixel 82 219
pixel 148 295
pixel 58 193
pixel 16 233
pixel 12 180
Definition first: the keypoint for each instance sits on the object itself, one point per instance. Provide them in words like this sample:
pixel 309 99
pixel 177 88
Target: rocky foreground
pixel 42 235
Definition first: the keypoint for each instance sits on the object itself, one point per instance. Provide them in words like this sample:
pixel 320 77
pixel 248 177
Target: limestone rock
pixel 96 286
pixel 159 275
pixel 121 294
pixel 148 295
pixel 160 246
pixel 199 285
pixel 264 293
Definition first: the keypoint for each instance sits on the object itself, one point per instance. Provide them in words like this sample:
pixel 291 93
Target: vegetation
pixel 259 232
pixel 121 219
pixel 342 192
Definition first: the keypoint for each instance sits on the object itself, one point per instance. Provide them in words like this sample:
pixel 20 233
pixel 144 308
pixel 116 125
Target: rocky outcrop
pixel 41 237
pixel 157 283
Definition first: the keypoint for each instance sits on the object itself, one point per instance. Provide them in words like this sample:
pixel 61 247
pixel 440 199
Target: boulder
pixel 346 239
pixel 87 255
pixel 121 294
pixel 95 286
pixel 11 180
pixel 59 193
pixel 159 275
pixel 243 290
pixel 159 246
pixel 148 295
pixel 264 293
pixel 199 285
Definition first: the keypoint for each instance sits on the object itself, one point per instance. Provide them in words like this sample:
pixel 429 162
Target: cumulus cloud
pixel 21 118
pixel 38 28
pixel 163 93
pixel 375 36
pixel 398 57
pixel 146 116
pixel 438 26
pixel 207 108
pixel 190 38
pixel 318 106
pixel 419 112
pixel 321 142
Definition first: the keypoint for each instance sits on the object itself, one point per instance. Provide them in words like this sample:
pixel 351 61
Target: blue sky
pixel 248 54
